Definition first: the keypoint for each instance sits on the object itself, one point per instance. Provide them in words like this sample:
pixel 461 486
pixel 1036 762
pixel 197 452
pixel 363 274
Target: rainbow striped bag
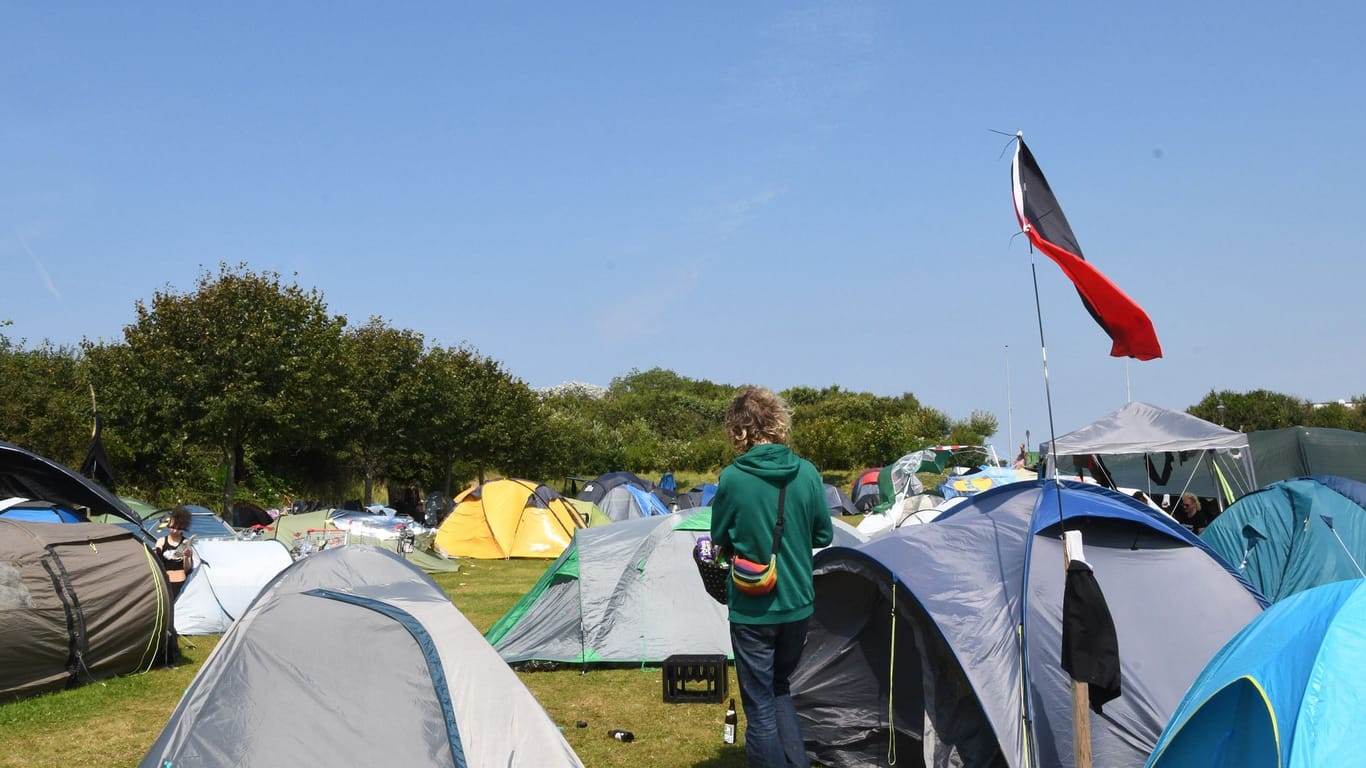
pixel 754 578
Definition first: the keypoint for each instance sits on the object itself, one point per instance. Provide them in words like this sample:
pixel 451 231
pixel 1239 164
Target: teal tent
pixel 1286 692
pixel 1294 534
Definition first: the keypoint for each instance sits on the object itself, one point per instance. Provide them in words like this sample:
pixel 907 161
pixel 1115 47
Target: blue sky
pixel 787 193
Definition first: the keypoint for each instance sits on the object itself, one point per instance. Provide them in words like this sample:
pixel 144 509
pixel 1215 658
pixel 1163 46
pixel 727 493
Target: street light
pixel 1220 408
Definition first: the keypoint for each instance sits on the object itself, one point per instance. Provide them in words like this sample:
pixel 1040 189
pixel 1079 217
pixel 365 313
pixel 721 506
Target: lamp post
pixel 1220 408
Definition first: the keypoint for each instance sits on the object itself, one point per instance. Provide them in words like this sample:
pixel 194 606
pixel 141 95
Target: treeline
pixel 247 387
pixel 1260 409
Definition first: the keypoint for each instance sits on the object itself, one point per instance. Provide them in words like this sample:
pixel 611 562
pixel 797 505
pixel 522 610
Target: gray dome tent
pixel 350 630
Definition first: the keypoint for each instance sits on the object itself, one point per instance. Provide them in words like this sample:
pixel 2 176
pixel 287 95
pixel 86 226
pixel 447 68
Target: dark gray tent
pixel 354 657
pixel 955 627
pixel 1282 454
pixel 28 475
pixel 78 602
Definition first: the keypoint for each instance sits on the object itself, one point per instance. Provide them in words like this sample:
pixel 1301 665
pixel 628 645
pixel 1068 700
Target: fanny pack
pixel 759 578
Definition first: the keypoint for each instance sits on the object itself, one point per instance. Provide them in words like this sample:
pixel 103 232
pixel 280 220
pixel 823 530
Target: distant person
pixel 1023 458
pixel 176 556
pixel 768 631
pixel 1190 513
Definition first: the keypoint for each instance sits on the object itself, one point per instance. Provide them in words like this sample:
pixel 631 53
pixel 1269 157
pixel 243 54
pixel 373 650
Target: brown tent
pixel 78 602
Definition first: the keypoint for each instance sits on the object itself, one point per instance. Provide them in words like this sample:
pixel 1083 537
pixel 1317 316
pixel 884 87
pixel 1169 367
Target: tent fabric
pixel 626 593
pixel 227 576
pixel 80 602
pixel 1294 534
pixel 1286 692
pixel 508 518
pixel 306 651
pixel 627 502
pixel 204 524
pixel 320 531
pixel 596 489
pixel 1142 445
pixel 838 502
pixel 969 608
pixel 865 491
pixel 38 511
pixel 26 474
pixel 1283 454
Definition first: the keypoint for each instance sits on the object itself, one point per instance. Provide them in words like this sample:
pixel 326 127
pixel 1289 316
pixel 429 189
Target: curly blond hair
pixel 757 415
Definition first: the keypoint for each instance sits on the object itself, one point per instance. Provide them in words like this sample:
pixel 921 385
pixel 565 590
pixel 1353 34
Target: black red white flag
pixel 1130 330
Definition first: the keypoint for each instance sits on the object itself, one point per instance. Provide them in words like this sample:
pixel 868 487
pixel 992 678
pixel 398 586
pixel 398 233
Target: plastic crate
pixel 695 678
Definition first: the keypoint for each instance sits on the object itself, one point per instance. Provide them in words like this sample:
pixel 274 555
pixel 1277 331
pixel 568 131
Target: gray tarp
pixel 1180 448
pixel 959 587
pixel 354 657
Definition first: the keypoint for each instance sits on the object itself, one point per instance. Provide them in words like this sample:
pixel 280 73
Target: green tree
pixel 376 418
pixel 242 362
pixel 45 400
pixel 1251 411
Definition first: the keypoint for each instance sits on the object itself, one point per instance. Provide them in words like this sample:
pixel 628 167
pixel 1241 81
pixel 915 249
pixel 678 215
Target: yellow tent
pixel 508 518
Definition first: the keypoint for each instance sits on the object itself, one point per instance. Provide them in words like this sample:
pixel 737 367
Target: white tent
pixel 227 576
pixel 1159 451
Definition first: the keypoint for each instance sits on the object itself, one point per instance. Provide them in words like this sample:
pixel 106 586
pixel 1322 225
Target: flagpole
pixel 1010 410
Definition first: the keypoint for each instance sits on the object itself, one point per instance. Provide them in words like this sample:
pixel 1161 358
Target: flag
pixel 1037 209
pixel 1090 645
pixel 97 465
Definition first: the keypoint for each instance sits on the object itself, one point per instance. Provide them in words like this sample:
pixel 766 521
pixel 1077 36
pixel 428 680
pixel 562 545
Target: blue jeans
pixel 766 655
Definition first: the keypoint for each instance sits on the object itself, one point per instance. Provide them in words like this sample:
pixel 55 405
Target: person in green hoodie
pixel 767 632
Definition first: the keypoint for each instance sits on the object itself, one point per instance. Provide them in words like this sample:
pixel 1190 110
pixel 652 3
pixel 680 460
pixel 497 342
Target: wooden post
pixel 1081 702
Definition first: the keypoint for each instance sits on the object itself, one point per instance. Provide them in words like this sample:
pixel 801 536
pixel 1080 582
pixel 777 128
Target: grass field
pixel 114 722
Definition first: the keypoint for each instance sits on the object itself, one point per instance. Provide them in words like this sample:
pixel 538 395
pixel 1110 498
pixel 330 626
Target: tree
pixel 376 421
pixel 243 361
pixel 472 415
pixel 44 400
pixel 1252 411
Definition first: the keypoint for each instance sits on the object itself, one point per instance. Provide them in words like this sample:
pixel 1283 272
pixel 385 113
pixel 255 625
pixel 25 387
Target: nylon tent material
pixel 78 602
pixel 28 475
pixel 955 626
pixel 624 593
pixel 1158 450
pixel 1294 534
pixel 508 518
pixel 1286 692
pixel 227 576
pixel 337 639
pixel 1283 454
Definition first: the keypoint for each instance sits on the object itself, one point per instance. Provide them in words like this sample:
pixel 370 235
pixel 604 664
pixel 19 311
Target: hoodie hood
pixel 771 461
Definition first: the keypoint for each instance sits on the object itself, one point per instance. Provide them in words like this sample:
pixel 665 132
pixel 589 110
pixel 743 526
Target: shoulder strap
pixel 778 526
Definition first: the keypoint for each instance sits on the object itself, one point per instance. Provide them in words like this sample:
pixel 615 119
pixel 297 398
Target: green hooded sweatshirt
pixel 743 514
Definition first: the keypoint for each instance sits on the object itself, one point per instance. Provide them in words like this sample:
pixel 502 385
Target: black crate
pixel 695 678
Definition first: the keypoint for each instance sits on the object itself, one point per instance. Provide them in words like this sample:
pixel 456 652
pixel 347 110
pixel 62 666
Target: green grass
pixel 113 723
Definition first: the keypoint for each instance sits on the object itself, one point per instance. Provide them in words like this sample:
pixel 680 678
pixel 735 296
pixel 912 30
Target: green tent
pixel 1280 454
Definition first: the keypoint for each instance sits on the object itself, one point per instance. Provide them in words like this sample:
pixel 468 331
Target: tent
pixel 623 496
pixel 626 593
pixel 38 511
pixel 1294 534
pixel 80 602
pixel 204 524
pixel 955 627
pixel 303 533
pixel 982 478
pixel 227 576
pixel 838 502
pixel 1288 690
pixel 27 475
pixel 508 518
pixel 1158 451
pixel 353 657
pixel 865 492
pixel 1281 454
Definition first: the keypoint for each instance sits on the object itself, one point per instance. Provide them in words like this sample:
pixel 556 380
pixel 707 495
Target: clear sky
pixel 785 193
